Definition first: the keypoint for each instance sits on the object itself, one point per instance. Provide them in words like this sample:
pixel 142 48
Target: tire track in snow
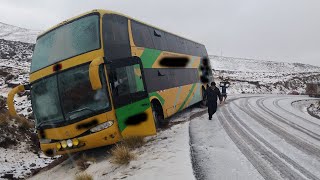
pixel 276 104
pixel 266 162
pixel 291 139
pixel 195 160
pixel 246 150
pixel 275 150
pixel 276 116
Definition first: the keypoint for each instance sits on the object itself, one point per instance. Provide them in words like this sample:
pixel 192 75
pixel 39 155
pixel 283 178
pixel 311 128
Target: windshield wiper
pixel 79 110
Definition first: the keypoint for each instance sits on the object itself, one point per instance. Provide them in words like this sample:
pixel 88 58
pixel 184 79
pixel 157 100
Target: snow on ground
pixel 216 156
pixel 164 156
pixel 258 136
pixel 314 108
pixel 302 105
pixel 14 33
pixel 18 162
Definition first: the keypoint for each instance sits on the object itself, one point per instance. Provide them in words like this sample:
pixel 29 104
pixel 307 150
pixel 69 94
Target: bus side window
pixel 127 80
pixel 141 35
pixel 159 39
pixel 116 37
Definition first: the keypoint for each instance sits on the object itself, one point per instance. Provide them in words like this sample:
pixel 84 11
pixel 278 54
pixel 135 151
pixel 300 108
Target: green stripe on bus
pixel 197 96
pixel 185 101
pixel 158 96
pixel 177 97
pixel 139 82
pixel 149 56
pixel 130 110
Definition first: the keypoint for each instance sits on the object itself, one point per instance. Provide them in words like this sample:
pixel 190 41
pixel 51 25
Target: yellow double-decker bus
pixel 103 76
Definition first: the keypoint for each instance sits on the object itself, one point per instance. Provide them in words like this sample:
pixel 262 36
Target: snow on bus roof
pixel 101 11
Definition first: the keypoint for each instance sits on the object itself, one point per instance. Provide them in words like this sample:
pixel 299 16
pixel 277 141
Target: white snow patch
pixel 165 156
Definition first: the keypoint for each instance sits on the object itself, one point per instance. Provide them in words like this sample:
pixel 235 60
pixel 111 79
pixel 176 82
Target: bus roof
pixel 101 11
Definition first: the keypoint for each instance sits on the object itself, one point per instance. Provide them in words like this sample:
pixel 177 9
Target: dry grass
pixel 122 154
pixel 4 119
pixel 134 142
pixel 84 176
pixel 84 162
pixel 24 123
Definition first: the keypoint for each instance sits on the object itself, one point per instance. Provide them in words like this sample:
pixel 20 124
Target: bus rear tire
pixel 158 116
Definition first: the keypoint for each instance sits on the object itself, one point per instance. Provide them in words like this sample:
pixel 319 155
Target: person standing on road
pixel 213 93
pixel 224 93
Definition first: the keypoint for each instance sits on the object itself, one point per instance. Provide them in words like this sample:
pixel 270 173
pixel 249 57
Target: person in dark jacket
pixel 213 93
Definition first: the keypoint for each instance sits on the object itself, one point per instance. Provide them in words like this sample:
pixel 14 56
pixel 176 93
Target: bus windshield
pixel 75 38
pixel 68 96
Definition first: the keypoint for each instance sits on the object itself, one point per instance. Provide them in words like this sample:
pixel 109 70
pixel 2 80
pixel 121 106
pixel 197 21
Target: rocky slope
pixel 267 77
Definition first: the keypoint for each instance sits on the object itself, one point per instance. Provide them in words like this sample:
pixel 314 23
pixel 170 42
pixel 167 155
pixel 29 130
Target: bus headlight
pixel 69 143
pixel 75 142
pixel 58 146
pixel 64 144
pixel 102 126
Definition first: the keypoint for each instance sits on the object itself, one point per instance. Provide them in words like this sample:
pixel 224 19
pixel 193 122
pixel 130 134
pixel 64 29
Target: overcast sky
pixel 278 30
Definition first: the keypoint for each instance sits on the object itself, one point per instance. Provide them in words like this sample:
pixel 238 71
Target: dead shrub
pixel 3 102
pixel 134 142
pixel 84 162
pixel 23 123
pixel 122 154
pixel 4 119
pixel 84 176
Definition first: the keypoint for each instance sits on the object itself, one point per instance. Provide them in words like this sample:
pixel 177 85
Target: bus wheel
pixel 158 116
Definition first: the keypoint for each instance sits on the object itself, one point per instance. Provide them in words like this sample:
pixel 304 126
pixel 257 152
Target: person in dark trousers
pixel 213 93
pixel 224 93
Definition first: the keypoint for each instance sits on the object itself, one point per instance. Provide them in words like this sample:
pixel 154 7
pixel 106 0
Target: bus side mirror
pixel 10 99
pixel 94 73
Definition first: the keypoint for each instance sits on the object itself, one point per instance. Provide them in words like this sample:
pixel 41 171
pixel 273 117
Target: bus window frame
pixel 123 62
pixel 68 122
pixel 100 39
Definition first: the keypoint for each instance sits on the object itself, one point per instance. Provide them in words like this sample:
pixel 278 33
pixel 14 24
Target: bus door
pixel 130 97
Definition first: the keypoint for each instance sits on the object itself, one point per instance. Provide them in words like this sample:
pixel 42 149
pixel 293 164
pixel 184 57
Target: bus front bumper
pixel 105 137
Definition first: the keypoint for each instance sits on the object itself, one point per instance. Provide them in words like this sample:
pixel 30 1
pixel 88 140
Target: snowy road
pixel 257 137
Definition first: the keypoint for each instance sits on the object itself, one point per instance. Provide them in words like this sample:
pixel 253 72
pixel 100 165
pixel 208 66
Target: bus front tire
pixel 158 116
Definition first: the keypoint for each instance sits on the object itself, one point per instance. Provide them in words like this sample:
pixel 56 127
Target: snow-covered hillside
pixel 263 77
pixel 252 65
pixel 13 33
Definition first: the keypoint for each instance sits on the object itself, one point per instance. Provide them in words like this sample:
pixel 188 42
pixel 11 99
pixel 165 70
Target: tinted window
pixel 77 37
pixel 165 78
pixel 158 38
pixel 141 35
pixel 45 100
pixel 171 42
pixel 115 36
pixel 190 47
pixel 179 45
pixel 77 97
pixel 185 46
pixel 204 51
pixel 198 51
